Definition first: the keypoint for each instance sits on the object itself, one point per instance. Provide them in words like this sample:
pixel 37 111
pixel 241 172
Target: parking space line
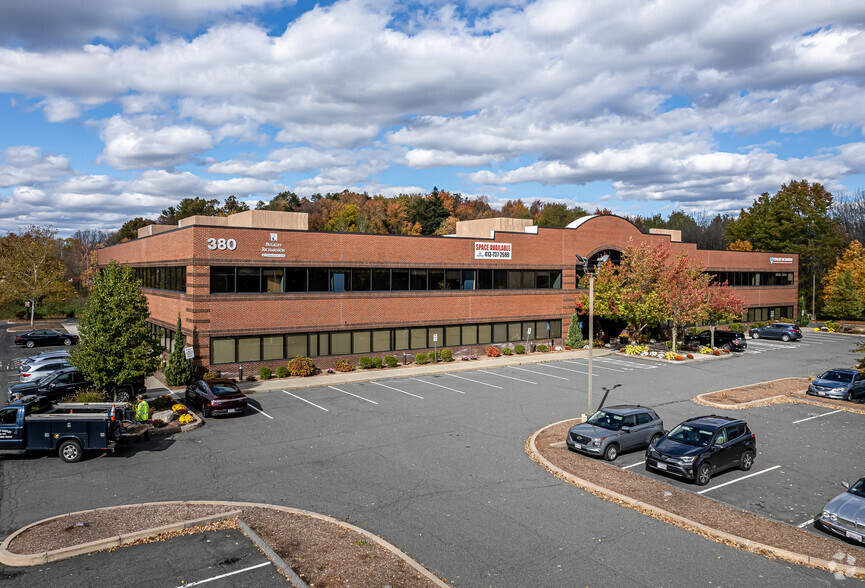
pixel 633 465
pixel 562 368
pixel 508 377
pixel 738 479
pixel 539 373
pixel 439 385
pixel 805 524
pixel 397 389
pixel 817 416
pixel 255 567
pixel 307 401
pixel 475 381
pixel 355 395
pixel 599 367
pixel 259 410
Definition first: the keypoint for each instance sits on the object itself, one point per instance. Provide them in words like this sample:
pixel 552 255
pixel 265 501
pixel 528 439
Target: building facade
pixel 257 288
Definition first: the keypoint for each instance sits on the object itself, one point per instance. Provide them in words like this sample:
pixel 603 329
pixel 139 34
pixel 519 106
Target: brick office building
pixel 257 288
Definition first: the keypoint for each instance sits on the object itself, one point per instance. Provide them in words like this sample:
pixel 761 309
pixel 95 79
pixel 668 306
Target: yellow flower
pixel 177 407
pixel 186 418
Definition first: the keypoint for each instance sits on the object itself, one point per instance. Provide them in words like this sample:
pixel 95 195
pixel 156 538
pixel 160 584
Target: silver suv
pixel 615 429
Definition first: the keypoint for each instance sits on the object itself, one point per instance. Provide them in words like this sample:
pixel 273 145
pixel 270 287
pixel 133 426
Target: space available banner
pixel 492 250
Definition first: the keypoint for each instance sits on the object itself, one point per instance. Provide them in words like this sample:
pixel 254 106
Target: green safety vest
pixel 142 411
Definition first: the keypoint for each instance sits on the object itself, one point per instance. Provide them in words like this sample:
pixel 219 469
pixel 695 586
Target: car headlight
pixel 687 459
pixel 830 515
pixel 597 441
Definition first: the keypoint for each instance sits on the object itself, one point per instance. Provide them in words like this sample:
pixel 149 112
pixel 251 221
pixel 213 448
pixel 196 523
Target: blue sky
pixel 120 110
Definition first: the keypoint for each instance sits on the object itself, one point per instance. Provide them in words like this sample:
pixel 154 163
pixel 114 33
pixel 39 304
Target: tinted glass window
pixel 556 279
pixel 400 339
pixel 272 347
pixel 469 334
pixel 452 280
pixel 485 334
pixel 249 279
pixel 295 346
pixel 515 280
pixel 644 418
pixel 361 342
pixel 340 280
pixel 340 343
pixel 361 280
pixel 399 279
pixel 222 350
pixel 542 279
pixel 273 279
pixel 318 280
pixel 248 349
pixel 436 279
pixel 485 279
pixel 295 280
pixel 500 279
pixel 381 340
pixel 221 280
pixel 418 279
pixel 381 280
pixel 468 279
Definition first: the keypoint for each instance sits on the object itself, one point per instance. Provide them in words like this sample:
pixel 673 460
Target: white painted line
pixel 633 465
pixel 439 385
pixel 563 368
pixel 805 524
pixel 305 400
pixel 817 416
pixel 261 411
pixel 261 565
pixel 599 367
pixel 508 377
pixel 475 381
pixel 397 389
pixel 350 394
pixel 538 373
pixel 738 479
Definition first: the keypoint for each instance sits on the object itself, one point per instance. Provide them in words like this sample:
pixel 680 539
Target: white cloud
pixel 25 165
pixel 141 143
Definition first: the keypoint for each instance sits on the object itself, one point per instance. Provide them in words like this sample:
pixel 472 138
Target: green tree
pixel 721 305
pixel 189 207
pixel 575 334
pixel 232 206
pixel 844 302
pixel 116 344
pixel 32 270
pixel 557 215
pixel 178 370
pixel 129 230
pixel 430 213
pixel 284 201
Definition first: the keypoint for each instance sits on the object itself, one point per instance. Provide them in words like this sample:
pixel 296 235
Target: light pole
pixel 591 275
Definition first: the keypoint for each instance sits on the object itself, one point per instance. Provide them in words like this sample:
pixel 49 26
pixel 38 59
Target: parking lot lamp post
pixel 591 275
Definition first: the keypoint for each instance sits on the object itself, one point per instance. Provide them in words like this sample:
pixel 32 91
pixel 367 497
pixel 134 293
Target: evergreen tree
pixel 116 344
pixel 575 334
pixel 178 370
pixel 844 302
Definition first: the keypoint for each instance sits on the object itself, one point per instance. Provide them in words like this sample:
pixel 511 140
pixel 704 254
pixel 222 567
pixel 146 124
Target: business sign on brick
pixel 780 260
pixel 492 250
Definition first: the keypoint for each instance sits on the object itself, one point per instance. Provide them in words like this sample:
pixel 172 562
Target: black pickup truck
pixel 69 380
pixel 34 424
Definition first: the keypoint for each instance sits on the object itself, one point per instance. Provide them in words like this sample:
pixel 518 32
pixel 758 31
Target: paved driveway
pixel 437 466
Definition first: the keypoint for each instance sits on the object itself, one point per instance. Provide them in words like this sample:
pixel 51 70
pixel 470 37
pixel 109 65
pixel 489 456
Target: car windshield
pixel 223 389
pixel 606 420
pixel 834 376
pixel 691 435
pixel 858 488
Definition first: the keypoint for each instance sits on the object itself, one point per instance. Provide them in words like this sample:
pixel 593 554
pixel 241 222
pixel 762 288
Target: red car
pixel 216 397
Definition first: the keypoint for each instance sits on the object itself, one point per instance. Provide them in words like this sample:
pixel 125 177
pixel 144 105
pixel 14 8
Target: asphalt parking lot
pixel 436 465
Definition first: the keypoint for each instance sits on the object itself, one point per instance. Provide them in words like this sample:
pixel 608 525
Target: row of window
pixel 769 313
pixel 162 278
pixel 274 347
pixel 231 280
pixel 754 278
pixel 163 335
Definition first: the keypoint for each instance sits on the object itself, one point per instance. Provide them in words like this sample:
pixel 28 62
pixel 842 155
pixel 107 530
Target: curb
pixel 18 560
pixel 280 564
pixel 660 514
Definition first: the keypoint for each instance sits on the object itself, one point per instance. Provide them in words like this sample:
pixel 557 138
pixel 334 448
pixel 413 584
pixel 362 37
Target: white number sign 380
pixel 222 244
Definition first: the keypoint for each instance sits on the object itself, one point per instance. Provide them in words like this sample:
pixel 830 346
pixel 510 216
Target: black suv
pixel 68 381
pixel 699 447
pixel 732 340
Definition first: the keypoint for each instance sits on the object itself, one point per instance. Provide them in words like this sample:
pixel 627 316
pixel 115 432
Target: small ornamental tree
pixel 116 344
pixel 844 302
pixel 178 370
pixel 721 305
pixel 683 292
pixel 575 334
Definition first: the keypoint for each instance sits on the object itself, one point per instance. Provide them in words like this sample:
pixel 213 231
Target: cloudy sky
pixel 119 109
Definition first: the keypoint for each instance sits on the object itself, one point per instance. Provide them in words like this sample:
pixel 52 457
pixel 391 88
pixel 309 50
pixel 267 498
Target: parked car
pixel 842 383
pixel 69 380
pixel 615 429
pixel 216 397
pixel 732 340
pixel 699 447
pixel 844 515
pixel 37 371
pixel 782 331
pixel 45 337
pixel 42 356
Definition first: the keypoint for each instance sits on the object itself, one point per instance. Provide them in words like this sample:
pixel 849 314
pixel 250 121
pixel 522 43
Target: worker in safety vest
pixel 142 410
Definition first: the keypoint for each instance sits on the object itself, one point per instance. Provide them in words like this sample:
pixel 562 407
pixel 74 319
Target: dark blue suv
pixel 782 331
pixel 699 447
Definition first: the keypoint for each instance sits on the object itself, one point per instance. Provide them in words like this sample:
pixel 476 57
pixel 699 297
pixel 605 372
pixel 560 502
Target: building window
pixel 452 336
pixel 295 346
pixel 360 280
pixel 399 279
pixel 418 279
pixel 381 280
pixel 401 339
pixel 295 280
pixel 272 347
pixel 436 333
pixel 469 335
pixel 273 279
pixel 381 341
pixel 222 350
pixel 248 349
pixel 361 342
pixel 436 279
pixel 485 334
pixel 248 279
pixel 418 338
pixel 485 279
pixel 340 280
pixel 452 279
pixel 340 343
pixel 318 280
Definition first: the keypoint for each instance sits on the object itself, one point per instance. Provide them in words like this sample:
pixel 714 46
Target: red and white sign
pixel 492 250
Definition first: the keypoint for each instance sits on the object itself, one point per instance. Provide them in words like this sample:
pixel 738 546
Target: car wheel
pixel 726 347
pixel 655 438
pixel 850 396
pixel 785 337
pixel 121 395
pixel 205 409
pixel 704 473
pixel 67 342
pixel 31 344
pixel 70 451
pixel 746 461
pixel 611 452
pixel 755 335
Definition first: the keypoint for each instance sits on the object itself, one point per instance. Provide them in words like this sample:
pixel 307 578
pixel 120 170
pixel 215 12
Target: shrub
pixel 493 351
pixel 507 351
pixel 376 362
pixel 736 327
pixel 420 358
pixel 541 348
pixel 756 325
pixel 264 373
pixel 211 375
pixel 250 378
pixel 282 372
pixel 636 349
pixel 87 395
pixel 519 349
pixel 446 355
pixel 390 361
pixel 163 402
pixel 832 326
pixel 364 363
pixel 302 366
pixel 343 365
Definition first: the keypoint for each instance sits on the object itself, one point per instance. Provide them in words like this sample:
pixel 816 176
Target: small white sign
pixel 530 330
pixel 435 337
pixel 189 352
pixel 486 250
pixel 780 260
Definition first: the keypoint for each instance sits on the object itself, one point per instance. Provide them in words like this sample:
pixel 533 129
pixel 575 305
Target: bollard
pixel 240 373
pixel 403 357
